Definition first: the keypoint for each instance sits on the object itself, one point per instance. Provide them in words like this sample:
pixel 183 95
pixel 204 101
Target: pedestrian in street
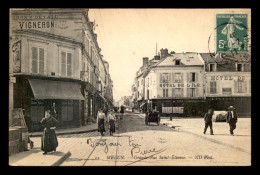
pixel 101 121
pixel 231 119
pixel 49 141
pixel 208 121
pixel 111 119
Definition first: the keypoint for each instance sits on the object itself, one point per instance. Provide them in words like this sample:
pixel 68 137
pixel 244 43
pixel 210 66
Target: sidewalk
pixel 195 126
pixel 64 131
pixel 35 157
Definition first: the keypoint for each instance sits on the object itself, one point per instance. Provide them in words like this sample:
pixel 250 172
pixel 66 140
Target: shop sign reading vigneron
pixel 36 21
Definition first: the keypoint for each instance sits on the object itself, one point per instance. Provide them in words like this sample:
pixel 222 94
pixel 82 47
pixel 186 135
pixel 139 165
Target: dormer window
pixel 239 67
pixel 177 62
pixel 212 67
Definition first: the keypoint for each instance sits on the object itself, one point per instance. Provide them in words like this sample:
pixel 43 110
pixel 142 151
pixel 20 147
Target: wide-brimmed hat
pixel 231 107
pixel 100 109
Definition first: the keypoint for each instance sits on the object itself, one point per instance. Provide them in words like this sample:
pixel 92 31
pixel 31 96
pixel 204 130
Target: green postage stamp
pixel 231 33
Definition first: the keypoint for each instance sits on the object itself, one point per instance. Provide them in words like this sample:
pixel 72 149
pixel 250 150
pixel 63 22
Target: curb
pixel 62 159
pixel 65 133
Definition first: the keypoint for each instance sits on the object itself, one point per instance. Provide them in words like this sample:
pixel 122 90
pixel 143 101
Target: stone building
pixel 172 83
pixel 56 64
pixel 228 81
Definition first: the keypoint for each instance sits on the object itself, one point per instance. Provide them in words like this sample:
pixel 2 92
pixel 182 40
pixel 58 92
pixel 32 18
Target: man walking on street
pixel 208 121
pixel 231 119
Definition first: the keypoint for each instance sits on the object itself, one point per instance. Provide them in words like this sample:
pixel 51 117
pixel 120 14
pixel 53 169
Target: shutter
pixel 211 87
pixel 169 78
pixel 196 77
pixel 181 92
pixel 188 92
pixel 197 92
pixel 68 64
pixel 235 86
pixel 41 60
pixel 160 77
pixel 63 63
pixel 173 93
pixel 181 77
pixel 172 78
pixel 245 86
pixel 208 87
pixel 188 77
pixel 34 60
pixel 217 88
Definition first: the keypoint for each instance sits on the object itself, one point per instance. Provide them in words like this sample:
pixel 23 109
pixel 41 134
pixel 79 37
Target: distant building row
pixel 189 83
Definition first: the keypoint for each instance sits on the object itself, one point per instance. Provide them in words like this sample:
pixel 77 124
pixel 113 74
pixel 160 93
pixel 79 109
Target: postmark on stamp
pixel 232 32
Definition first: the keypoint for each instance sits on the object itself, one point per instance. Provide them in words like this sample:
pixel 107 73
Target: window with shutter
pixel 63 64
pixel 241 85
pixel 196 92
pixel 34 60
pixel 236 86
pixel 188 77
pixel 41 60
pixel 178 77
pixel 245 87
pixel 213 87
pixel 68 64
pixel 192 74
pixel 37 60
pixel 161 78
pixel 172 80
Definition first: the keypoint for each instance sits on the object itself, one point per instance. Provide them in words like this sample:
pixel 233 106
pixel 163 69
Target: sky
pixel 125 36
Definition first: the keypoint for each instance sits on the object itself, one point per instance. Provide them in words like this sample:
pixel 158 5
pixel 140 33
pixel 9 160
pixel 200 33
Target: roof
pixel 187 59
pixel 238 57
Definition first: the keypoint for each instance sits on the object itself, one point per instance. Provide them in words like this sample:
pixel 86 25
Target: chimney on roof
pixel 145 61
pixel 164 53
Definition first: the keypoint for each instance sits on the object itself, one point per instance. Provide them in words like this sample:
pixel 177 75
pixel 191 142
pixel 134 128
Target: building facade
pixel 228 81
pixel 56 65
pixel 175 85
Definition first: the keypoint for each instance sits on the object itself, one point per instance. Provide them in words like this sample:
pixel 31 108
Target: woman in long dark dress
pixel 49 141
pixel 101 121
pixel 111 118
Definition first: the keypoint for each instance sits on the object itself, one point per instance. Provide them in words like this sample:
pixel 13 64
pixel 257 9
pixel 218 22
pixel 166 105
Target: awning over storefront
pixel 46 89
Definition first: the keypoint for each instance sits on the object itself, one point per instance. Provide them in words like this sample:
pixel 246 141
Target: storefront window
pixel 37 110
pixel 67 110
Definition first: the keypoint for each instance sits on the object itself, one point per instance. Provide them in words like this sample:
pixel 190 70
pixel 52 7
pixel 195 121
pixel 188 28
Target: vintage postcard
pixel 129 87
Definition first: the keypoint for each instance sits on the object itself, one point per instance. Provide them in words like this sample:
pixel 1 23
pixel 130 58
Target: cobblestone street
pixel 139 145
